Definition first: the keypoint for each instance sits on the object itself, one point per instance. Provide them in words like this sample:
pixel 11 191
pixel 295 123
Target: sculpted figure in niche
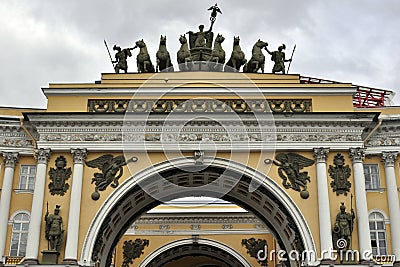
pixel 54 229
pixel 343 227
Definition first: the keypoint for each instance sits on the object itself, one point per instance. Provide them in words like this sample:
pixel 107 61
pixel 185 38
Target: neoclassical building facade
pixel 201 169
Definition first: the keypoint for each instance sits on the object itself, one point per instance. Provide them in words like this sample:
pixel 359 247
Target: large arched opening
pixel 269 203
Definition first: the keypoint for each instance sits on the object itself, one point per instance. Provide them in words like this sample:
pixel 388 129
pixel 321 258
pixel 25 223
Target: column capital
pixel 389 157
pixel 357 154
pixel 79 155
pixel 42 155
pixel 321 154
pixel 10 159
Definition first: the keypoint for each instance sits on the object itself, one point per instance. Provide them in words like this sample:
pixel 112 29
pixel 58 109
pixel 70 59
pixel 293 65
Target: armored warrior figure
pixel 279 58
pixel 343 226
pixel 54 229
pixel 121 57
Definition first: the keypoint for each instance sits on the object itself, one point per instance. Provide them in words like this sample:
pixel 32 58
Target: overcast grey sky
pixel 53 41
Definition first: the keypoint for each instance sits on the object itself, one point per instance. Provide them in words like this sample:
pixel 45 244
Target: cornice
pixel 155 132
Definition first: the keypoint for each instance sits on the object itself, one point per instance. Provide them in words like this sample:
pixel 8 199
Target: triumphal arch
pixel 214 161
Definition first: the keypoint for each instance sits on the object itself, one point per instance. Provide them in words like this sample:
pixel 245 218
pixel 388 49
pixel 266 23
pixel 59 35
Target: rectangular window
pixel 27 177
pixel 371 172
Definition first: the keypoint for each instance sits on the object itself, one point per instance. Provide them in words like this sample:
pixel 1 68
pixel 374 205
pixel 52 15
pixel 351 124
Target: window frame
pixel 30 178
pixel 379 217
pixel 371 181
pixel 19 232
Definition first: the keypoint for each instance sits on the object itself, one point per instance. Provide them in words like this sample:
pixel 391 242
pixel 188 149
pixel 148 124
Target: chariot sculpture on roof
pixel 200 52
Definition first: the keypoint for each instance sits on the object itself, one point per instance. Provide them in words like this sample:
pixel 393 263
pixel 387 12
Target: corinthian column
pixel 10 160
pixel 32 249
pixel 71 247
pixel 324 214
pixel 364 240
pixel 388 159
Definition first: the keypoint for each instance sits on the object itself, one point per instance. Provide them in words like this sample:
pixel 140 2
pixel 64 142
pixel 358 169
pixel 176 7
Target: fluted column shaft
pixel 71 247
pixel 388 159
pixel 364 240
pixel 324 214
pixel 10 160
pixel 32 249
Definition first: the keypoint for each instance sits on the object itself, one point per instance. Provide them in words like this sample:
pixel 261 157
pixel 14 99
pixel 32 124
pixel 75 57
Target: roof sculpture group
pixel 200 54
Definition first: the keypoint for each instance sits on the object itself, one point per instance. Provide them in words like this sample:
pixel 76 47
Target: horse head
pixel 236 40
pixel 219 38
pixel 163 40
pixel 182 39
pixel 261 44
pixel 140 44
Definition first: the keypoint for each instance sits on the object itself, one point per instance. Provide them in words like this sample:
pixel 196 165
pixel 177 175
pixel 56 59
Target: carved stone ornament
pixel 389 158
pixel 340 174
pixel 42 155
pixel 79 155
pixel 59 176
pixel 111 171
pixel 10 159
pixel 133 250
pixel 357 154
pixel 290 165
pixel 254 247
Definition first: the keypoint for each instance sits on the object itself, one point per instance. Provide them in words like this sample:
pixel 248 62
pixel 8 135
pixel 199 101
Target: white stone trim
pixel 287 202
pixel 386 218
pixel 290 91
pixel 11 220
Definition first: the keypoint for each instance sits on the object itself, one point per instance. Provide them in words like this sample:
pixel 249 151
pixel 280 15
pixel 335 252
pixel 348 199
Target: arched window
pixel 20 225
pixel 378 233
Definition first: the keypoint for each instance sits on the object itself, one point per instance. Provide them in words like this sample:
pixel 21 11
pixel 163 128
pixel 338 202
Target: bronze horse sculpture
pixel 143 58
pixel 237 57
pixel 163 58
pixel 218 54
pixel 257 60
pixel 183 55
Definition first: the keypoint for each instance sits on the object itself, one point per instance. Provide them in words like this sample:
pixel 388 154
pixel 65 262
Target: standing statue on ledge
pixel 279 58
pixel 54 229
pixel 121 58
pixel 343 228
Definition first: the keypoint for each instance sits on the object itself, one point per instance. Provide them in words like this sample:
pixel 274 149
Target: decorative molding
pixel 42 155
pixel 12 135
pixel 225 219
pixel 321 154
pixel 10 159
pixel 199 105
pixel 79 155
pixel 59 176
pixel 340 174
pixel 389 158
pixel 357 155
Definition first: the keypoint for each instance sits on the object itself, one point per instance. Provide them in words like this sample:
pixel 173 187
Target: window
pixel 371 172
pixel 19 235
pixel 27 177
pixel 378 233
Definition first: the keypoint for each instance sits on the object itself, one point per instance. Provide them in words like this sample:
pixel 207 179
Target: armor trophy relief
pixel 200 52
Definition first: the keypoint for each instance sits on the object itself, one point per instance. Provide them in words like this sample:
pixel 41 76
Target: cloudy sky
pixel 53 41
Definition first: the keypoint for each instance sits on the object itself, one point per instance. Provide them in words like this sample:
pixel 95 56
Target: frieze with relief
pixel 199 105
